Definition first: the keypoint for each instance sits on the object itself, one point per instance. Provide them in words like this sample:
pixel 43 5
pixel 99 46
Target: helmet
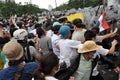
pixel 20 34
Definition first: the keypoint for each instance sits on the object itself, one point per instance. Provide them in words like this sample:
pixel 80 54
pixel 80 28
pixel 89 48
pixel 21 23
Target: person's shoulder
pixel 48 37
pixel 84 30
pixel 31 47
pixel 32 64
pixel 9 70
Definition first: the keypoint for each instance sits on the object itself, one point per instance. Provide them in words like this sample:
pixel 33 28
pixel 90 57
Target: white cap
pixel 20 34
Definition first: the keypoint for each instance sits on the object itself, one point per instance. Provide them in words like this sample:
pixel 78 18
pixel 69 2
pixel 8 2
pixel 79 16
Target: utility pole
pixel 55 3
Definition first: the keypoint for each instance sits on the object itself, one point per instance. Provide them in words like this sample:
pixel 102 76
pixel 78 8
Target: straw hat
pixel 89 46
pixel 13 50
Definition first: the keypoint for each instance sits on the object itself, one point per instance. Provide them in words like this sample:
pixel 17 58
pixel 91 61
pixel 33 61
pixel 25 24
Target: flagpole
pixel 55 3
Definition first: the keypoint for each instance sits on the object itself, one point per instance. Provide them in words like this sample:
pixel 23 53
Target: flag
pixel 101 23
pixel 74 16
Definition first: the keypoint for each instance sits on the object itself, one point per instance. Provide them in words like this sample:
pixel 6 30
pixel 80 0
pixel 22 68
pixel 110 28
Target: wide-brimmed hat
pixel 89 46
pixel 13 50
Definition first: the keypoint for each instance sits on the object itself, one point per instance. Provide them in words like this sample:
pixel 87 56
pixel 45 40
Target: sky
pixel 44 3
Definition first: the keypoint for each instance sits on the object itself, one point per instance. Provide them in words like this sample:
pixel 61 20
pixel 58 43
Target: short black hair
pixel 95 30
pixel 56 29
pixel 37 25
pixel 31 35
pixel 80 25
pixel 40 32
pixel 20 24
pixel 89 35
pixel 63 19
pixel 12 30
pixel 75 21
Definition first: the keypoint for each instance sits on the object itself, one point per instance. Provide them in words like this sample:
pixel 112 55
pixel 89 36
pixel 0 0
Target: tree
pixel 8 9
pixel 78 4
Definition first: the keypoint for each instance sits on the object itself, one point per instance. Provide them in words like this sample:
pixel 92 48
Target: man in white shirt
pixel 55 38
pixel 68 48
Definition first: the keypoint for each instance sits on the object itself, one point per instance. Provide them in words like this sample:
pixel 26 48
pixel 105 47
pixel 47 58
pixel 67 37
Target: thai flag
pixel 101 23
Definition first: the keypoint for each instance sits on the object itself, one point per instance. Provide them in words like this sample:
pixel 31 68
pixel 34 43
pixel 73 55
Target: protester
pixel 21 25
pixel 100 38
pixel 30 51
pixel 67 47
pixel 90 35
pixel 4 38
pixel 12 30
pixel 49 64
pixel 79 30
pixel 44 43
pixel 55 38
pixel 17 70
pixel 21 36
pixel 85 64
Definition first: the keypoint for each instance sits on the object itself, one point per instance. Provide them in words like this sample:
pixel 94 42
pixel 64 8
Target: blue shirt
pixel 27 73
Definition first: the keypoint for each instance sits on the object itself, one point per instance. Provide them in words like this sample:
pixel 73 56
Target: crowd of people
pixel 54 49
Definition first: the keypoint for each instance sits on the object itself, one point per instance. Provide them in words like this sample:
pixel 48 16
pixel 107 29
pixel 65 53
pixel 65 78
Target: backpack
pixel 28 57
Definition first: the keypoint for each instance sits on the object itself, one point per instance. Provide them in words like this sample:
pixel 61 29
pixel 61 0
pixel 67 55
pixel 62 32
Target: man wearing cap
pixel 67 47
pixel 85 64
pixel 55 38
pixel 17 69
pixel 30 51
pixel 21 36
pixel 90 35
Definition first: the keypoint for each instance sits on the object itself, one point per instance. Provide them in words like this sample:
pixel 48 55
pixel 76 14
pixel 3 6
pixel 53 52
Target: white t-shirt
pixel 49 33
pixel 55 39
pixel 68 50
pixel 99 38
pixel 101 51
pixel 50 78
pixel 78 35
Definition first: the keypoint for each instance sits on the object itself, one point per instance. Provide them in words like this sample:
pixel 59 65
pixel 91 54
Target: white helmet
pixel 20 34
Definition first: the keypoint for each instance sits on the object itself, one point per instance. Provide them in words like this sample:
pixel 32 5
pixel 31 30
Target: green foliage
pixel 92 3
pixel 62 7
pixel 78 4
pixel 75 4
pixel 8 9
